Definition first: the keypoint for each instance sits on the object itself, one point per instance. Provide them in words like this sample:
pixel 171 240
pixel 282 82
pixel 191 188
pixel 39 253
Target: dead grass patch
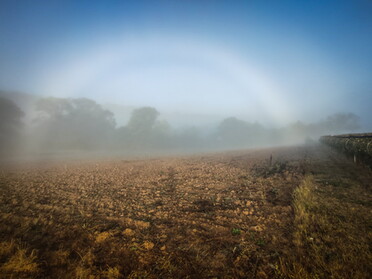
pixel 17 262
pixel 332 229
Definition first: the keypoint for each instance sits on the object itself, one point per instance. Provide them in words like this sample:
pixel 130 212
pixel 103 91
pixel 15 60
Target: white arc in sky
pixel 170 73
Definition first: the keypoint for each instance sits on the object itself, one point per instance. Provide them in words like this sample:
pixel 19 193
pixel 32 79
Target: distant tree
pixel 333 124
pixel 74 123
pixel 140 128
pixel 54 108
pixel 143 120
pixel 10 124
pixel 10 115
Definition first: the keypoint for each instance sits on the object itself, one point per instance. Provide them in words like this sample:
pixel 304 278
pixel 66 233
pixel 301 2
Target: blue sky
pixel 269 61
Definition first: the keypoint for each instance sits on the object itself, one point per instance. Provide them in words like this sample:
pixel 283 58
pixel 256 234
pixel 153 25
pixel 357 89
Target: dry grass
pixel 332 226
pixel 17 262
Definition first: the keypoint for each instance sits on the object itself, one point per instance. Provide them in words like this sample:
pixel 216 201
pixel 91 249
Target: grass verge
pixel 332 232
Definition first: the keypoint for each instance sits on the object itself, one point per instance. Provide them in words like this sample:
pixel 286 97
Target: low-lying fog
pixel 72 128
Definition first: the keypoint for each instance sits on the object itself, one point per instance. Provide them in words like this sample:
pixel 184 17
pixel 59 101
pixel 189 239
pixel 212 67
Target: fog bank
pixel 81 128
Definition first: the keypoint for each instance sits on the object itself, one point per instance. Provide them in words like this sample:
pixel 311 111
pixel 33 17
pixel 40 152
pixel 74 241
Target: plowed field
pixel 225 215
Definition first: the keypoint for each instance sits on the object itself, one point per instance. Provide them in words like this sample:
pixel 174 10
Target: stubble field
pixel 225 215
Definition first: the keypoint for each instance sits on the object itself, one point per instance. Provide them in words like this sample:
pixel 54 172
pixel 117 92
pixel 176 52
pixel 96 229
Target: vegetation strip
pixel 359 146
pixel 332 226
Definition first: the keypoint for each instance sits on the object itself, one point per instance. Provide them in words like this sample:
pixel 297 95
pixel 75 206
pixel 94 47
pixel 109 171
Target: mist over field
pixel 169 77
pixel 79 127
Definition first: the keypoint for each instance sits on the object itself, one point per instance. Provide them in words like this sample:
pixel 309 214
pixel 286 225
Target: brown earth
pixel 225 215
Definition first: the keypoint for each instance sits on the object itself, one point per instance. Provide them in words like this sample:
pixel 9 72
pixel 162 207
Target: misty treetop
pixel 77 109
pixel 10 116
pixel 73 123
pixel 143 120
pixel 10 124
pixel 82 124
pixel 143 130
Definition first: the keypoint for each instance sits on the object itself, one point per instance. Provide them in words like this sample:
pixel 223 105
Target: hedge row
pixel 357 145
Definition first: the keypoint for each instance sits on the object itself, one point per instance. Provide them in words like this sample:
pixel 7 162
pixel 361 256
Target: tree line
pixel 61 124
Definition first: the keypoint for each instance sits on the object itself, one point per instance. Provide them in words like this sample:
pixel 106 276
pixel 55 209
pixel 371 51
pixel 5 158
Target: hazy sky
pixel 270 61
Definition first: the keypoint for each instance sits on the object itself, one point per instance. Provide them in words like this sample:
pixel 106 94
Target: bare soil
pixel 224 215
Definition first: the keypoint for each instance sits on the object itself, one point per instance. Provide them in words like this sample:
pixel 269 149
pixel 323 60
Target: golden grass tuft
pixel 112 273
pixel 19 262
pixel 84 273
pixel 102 237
